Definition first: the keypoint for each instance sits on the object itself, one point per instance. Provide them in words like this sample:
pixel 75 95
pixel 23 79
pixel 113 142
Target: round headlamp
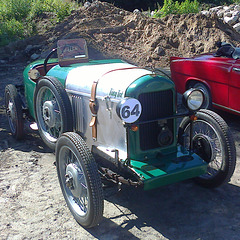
pixel 193 99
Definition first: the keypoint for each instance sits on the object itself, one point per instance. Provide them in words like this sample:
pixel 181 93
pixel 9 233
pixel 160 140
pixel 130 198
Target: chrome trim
pixel 226 108
pixel 78 93
pixel 236 69
pixel 72 92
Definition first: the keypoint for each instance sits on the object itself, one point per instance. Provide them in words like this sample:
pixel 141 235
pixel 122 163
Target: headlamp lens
pixel 195 100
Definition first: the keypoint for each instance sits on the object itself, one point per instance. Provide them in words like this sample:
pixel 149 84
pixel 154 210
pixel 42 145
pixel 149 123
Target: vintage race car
pixel 216 74
pixel 109 120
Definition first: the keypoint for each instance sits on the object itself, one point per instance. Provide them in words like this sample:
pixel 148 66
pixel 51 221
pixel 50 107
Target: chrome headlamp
pixel 193 99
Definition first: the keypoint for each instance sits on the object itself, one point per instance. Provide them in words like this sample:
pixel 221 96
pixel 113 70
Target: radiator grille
pixel 155 105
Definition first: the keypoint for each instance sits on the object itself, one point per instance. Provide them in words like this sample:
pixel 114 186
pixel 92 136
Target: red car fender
pixel 190 79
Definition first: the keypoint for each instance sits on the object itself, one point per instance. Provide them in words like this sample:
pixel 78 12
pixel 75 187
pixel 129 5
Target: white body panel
pixel 115 76
pixel 113 81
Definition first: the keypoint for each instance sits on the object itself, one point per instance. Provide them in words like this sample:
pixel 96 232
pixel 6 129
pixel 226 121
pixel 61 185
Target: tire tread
pixel 93 176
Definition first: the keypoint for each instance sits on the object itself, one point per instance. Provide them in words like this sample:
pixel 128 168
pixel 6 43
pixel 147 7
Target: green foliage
pixel 14 9
pixel 10 30
pixel 16 16
pixel 172 7
pixel 60 7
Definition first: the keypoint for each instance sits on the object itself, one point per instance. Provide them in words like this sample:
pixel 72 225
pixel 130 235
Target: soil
pixel 31 203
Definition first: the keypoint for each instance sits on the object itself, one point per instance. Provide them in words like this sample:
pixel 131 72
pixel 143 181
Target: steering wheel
pixel 47 58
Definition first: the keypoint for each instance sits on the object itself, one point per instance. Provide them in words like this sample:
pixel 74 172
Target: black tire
pixel 207 95
pixel 79 179
pixel 213 142
pixel 53 111
pixel 14 111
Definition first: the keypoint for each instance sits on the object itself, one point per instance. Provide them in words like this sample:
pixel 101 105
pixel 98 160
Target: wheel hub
pixel 49 113
pixel 203 147
pixel 74 179
pixel 10 110
pixel 11 116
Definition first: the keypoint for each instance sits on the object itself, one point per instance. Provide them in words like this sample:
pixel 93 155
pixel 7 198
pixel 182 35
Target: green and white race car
pixel 111 120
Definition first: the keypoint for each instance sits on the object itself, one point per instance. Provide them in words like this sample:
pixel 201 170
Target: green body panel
pixel 163 165
pixel 58 72
pixel 174 168
pixel 147 84
pixel 29 85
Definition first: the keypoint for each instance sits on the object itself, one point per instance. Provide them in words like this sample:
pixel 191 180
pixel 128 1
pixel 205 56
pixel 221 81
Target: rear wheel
pixel 53 110
pixel 79 179
pixel 14 111
pixel 213 142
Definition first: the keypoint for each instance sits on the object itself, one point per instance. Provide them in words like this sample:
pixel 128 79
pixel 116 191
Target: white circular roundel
pixel 130 110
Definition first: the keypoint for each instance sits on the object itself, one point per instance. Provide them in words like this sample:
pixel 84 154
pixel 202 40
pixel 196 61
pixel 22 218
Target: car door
pixel 234 87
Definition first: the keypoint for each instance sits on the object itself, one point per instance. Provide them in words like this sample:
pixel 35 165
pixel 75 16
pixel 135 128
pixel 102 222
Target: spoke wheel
pixel 53 110
pixel 79 179
pixel 14 111
pixel 213 142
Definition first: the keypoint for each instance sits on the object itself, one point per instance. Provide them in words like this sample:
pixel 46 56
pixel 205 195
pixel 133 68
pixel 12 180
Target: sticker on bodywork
pixel 115 94
pixel 129 110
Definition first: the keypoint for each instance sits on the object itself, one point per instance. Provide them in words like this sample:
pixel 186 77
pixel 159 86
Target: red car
pixel 217 75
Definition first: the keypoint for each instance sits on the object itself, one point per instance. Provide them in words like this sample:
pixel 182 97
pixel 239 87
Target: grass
pixel 16 16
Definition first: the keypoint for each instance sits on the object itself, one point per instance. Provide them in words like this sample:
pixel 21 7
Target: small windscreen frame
pixel 71 51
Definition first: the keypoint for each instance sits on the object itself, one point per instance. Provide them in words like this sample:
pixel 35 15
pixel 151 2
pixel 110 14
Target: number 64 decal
pixel 129 110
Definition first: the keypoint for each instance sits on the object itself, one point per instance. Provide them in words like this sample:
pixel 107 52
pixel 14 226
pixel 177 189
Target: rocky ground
pixel 31 203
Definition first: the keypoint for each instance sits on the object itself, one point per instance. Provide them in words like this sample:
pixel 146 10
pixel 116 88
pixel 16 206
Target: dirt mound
pixel 115 33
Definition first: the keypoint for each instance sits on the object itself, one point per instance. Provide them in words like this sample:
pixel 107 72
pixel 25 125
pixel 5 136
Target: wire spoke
pixel 203 130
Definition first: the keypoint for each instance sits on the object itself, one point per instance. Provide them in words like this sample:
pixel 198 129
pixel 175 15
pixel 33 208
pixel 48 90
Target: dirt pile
pixel 135 37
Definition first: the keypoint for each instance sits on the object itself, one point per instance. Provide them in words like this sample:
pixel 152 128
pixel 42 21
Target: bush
pixel 60 7
pixel 14 9
pixel 10 30
pixel 171 7
pixel 17 15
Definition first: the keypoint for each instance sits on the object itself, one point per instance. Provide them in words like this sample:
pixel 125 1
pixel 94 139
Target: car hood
pixel 113 79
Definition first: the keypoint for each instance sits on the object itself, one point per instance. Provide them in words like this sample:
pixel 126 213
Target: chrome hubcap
pixel 11 116
pixel 75 180
pixel 10 110
pixel 49 113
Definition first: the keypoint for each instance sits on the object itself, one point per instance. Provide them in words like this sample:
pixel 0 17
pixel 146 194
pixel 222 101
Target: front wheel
pixel 79 179
pixel 213 142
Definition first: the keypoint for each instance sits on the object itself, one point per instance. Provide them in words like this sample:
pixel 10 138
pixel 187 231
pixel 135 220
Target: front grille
pixel 155 105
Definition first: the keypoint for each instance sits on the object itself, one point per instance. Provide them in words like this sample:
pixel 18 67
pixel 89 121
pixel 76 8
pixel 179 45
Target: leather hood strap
pixel 93 104
pixel 93 108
